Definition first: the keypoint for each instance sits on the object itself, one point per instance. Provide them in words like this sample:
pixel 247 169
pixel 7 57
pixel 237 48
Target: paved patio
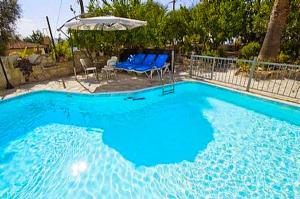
pixel 123 82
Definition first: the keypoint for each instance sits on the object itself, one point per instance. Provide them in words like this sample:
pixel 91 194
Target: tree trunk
pixel 81 6
pixel 271 45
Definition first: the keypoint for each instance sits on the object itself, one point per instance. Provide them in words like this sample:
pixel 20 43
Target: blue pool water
pixel 202 141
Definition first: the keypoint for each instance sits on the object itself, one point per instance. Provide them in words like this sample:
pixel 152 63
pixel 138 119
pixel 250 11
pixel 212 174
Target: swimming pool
pixel 201 141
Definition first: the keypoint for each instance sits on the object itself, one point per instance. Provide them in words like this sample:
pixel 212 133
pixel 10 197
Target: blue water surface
pixel 201 141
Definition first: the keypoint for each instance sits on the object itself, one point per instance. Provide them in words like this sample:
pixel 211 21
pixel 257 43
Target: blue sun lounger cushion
pixel 161 60
pixel 139 58
pixel 131 61
pixel 148 61
pixel 159 63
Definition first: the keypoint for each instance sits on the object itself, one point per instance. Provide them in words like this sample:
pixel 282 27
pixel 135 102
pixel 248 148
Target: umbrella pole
pixel 73 57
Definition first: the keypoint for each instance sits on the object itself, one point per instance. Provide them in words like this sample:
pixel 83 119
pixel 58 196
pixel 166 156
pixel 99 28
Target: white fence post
pixel 213 68
pixel 191 64
pixel 252 69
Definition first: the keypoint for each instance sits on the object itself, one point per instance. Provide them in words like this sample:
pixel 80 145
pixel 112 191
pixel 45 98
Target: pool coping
pixel 130 92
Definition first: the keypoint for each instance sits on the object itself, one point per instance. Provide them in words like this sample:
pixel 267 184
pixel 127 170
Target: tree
pixel 176 20
pixel 278 20
pixel 36 37
pixel 205 27
pixel 220 20
pixel 255 20
pixel 291 36
pixel 10 11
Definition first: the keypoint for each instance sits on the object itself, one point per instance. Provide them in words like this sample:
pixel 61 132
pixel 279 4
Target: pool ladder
pixel 168 84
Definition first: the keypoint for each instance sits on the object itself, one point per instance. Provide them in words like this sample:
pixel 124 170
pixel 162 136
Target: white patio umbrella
pixel 105 23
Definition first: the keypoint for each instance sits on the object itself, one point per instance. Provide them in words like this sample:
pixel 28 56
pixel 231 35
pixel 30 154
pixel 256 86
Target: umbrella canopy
pixel 105 23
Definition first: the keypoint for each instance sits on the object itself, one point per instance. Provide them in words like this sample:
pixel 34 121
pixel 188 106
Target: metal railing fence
pixel 274 78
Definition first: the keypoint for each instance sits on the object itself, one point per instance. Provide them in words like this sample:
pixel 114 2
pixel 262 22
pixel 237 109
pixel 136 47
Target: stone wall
pixel 39 71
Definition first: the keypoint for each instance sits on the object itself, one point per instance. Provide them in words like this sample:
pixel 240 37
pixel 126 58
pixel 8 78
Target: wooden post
pixel 52 39
pixel 8 84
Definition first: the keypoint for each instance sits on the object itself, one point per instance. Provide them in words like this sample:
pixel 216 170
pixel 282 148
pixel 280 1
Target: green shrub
pixel 250 50
pixel 63 49
pixel 283 58
pixel 243 67
pixel 212 53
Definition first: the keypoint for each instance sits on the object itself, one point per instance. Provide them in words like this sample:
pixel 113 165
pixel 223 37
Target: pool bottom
pixel 251 155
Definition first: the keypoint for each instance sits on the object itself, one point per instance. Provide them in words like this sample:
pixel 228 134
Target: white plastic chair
pixel 112 62
pixel 88 69
pixel 109 69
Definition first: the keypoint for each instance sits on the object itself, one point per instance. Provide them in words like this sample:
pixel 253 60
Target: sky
pixel 34 14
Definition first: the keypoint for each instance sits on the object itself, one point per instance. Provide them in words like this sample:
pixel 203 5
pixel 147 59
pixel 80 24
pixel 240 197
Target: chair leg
pixel 86 75
pixel 148 76
pixel 166 70
pixel 158 73
pixel 96 74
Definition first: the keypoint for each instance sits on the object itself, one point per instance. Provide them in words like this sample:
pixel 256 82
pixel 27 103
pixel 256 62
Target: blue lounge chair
pixel 131 61
pixel 138 62
pixel 161 61
pixel 159 64
pixel 149 60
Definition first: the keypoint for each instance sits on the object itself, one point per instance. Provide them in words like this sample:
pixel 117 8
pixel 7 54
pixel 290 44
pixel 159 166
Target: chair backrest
pixel 149 60
pixel 83 64
pixel 138 58
pixel 115 58
pixel 112 61
pixel 161 60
